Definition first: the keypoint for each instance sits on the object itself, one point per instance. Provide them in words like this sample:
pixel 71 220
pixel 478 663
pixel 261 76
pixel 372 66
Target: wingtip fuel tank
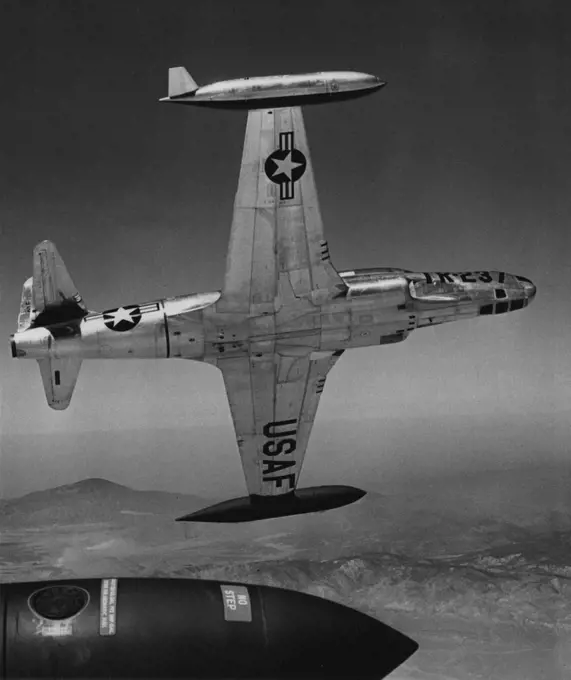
pixel 299 502
pixel 271 91
pixel 187 628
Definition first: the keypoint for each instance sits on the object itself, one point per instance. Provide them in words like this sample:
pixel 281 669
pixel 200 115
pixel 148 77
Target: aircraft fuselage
pixel 381 306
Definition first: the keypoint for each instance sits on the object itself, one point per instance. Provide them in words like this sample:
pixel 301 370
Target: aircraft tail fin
pixel 180 82
pixel 59 377
pixel 25 315
pixel 54 297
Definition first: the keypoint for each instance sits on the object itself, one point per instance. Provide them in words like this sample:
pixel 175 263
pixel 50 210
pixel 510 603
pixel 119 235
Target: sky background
pixel 460 163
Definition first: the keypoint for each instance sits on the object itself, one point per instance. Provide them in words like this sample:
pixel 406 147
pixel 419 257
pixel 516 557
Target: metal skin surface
pixel 271 91
pixel 377 309
pixel 187 628
pixel 283 317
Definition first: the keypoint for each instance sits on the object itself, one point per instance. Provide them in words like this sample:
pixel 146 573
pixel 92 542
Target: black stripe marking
pixel 151 307
pixel 286 141
pixel 166 331
pixel 286 191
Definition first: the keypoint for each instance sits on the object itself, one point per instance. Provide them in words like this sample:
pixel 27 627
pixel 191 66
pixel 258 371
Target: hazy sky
pixel 461 162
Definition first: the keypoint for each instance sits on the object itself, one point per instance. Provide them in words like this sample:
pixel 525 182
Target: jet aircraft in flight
pixel 280 323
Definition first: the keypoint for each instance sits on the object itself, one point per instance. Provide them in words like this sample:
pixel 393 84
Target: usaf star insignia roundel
pixel 285 165
pixel 123 318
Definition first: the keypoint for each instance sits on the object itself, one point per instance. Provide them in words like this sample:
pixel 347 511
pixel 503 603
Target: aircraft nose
pixel 368 80
pixel 528 286
pixel 530 289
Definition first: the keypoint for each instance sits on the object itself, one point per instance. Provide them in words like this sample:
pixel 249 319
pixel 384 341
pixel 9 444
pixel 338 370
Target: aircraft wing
pixel 277 248
pixel 273 401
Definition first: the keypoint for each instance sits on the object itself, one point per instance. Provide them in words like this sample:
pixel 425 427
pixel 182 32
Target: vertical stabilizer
pixel 55 297
pixel 59 377
pixel 180 82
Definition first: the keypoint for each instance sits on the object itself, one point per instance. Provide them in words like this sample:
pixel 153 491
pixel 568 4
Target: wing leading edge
pixel 273 401
pixel 278 273
pixel 277 246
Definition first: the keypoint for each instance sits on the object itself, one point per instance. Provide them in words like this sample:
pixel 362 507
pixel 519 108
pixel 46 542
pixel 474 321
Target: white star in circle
pixel 285 167
pixel 121 314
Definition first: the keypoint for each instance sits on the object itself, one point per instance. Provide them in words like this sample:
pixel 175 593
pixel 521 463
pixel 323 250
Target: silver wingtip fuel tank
pixel 186 628
pixel 271 91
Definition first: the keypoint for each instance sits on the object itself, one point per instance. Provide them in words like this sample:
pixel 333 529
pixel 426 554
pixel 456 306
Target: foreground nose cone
pixel 352 644
pixel 187 628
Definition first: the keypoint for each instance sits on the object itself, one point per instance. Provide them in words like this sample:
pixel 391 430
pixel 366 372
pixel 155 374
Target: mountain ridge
pixel 94 499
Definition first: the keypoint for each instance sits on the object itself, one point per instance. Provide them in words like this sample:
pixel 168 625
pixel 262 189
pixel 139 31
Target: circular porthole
pixel 58 602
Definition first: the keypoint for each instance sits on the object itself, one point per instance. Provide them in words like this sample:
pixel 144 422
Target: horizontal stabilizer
pixel 59 377
pixel 300 502
pixel 55 297
pixel 180 82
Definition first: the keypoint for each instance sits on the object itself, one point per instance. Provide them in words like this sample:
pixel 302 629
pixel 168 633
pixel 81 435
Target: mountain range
pixel 475 568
